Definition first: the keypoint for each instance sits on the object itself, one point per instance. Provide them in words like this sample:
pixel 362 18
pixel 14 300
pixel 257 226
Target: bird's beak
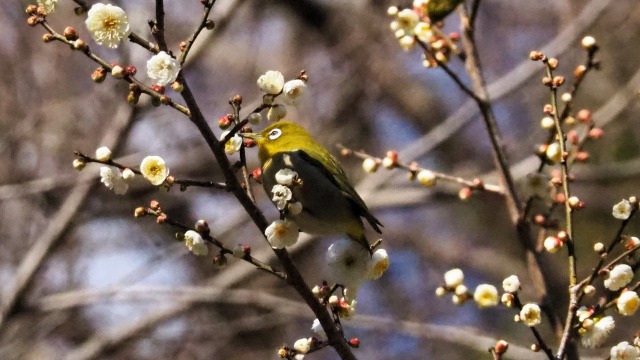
pixel 253 136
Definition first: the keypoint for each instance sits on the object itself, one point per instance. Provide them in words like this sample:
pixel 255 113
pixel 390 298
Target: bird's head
pixel 281 137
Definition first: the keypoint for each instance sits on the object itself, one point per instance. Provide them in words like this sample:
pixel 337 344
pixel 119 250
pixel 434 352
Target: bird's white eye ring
pixel 274 134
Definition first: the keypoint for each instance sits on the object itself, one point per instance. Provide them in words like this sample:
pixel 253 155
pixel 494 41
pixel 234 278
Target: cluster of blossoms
pixel 152 168
pixel 413 26
pixel 486 295
pixel 109 26
pixel 283 233
pixel 273 85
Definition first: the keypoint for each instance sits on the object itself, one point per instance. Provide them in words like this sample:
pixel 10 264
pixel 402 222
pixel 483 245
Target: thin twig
pixel 192 39
pixel 157 26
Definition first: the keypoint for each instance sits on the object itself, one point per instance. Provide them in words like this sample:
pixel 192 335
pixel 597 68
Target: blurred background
pixel 97 283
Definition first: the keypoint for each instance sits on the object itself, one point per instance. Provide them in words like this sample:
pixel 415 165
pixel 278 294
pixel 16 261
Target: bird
pixel 330 204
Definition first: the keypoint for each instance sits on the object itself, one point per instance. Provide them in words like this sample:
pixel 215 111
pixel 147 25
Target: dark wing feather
pixel 341 181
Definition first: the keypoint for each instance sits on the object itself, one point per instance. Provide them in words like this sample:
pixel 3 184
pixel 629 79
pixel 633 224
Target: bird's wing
pixel 333 171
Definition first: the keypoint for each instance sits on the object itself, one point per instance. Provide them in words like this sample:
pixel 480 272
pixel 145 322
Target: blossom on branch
pixel 233 145
pixel 163 68
pixel 154 169
pixel 281 196
pixel 453 278
pixel 282 233
pixel 112 178
pixel 628 303
pixel 486 295
pixel 271 82
pixel 511 284
pixel 108 24
pixel 597 332
pixel 378 264
pixel 293 90
pixel 625 351
pixel 195 243
pixel 530 314
pixel 618 277
pixel 286 177
pixel 622 210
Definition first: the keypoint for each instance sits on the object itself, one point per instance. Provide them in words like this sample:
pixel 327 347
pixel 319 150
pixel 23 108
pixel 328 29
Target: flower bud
pixel 79 164
pixel 139 212
pixel 596 133
pixel 99 74
pixel 579 71
pixel 588 42
pixel 177 86
pixel 118 72
pixel 202 227
pixel 464 193
pixel 536 56
pixel 70 33
pixel 370 165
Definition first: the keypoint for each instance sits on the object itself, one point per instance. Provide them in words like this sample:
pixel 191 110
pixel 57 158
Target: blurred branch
pixel 468 337
pixel 41 248
pixel 12 191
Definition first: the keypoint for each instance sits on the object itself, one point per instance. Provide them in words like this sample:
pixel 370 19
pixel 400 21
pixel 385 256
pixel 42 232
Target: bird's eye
pixel 274 134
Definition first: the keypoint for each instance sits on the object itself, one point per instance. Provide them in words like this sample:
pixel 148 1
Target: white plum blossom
pixel 622 210
pixel 233 145
pixel 625 351
pixel 511 284
pixel 281 196
pixel 163 68
pixel 282 233
pixel 271 82
pixel 553 152
pixel 108 24
pixel 619 277
pixel 195 243
pixel 302 346
pixel 378 264
pixel 598 333
pixel 628 303
pixel 103 154
pixel 128 174
pixel 370 165
pixel 530 314
pixel 276 113
pixel 453 278
pixel 427 178
pixel 79 164
pixel 293 90
pixel 348 263
pixel 486 295
pixel 112 178
pixel 154 169
pixel 286 177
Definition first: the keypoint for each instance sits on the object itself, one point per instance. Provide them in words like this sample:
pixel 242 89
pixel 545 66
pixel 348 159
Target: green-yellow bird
pixel 330 205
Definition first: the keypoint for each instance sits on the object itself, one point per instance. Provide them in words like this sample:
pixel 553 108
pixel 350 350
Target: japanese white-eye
pixel 330 205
